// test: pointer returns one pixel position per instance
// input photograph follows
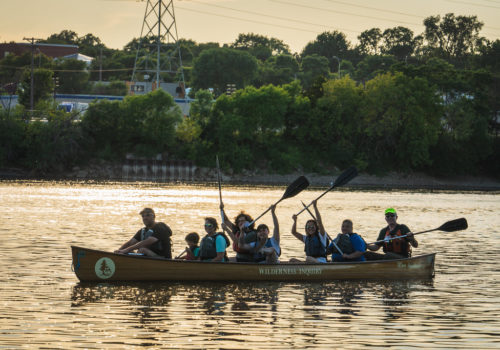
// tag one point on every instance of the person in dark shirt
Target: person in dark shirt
(394, 248)
(151, 240)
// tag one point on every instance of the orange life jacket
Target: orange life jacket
(399, 245)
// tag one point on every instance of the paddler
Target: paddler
(394, 248)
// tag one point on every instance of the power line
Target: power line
(375, 9)
(247, 20)
(343, 12)
(270, 16)
(473, 4)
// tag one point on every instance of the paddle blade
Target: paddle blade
(454, 225)
(296, 187)
(345, 177)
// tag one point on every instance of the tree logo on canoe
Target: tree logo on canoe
(104, 268)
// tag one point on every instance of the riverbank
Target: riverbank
(102, 171)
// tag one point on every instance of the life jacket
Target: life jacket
(314, 247)
(399, 245)
(157, 247)
(249, 238)
(343, 241)
(208, 249)
(190, 256)
(261, 256)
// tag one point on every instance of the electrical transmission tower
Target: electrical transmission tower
(158, 51)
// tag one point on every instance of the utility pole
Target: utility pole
(32, 41)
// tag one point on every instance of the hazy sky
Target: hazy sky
(296, 22)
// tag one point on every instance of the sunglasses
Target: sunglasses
(310, 226)
(390, 215)
(208, 225)
(146, 215)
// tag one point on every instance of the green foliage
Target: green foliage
(142, 124)
(277, 70)
(329, 44)
(73, 78)
(114, 88)
(313, 66)
(400, 122)
(452, 36)
(54, 145)
(215, 68)
(12, 131)
(43, 86)
(399, 42)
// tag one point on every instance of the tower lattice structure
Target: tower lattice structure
(158, 51)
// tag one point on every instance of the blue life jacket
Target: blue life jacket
(314, 247)
(258, 257)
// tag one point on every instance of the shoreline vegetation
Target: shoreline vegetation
(392, 181)
(421, 109)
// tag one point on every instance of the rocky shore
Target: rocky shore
(102, 171)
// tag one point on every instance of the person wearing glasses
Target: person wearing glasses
(240, 229)
(315, 239)
(394, 248)
(213, 245)
(151, 240)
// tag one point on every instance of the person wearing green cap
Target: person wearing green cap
(394, 248)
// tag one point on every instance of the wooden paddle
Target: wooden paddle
(220, 190)
(327, 235)
(292, 190)
(341, 180)
(181, 254)
(449, 226)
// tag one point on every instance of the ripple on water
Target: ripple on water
(43, 305)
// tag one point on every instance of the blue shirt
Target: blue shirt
(357, 244)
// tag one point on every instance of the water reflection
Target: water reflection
(42, 307)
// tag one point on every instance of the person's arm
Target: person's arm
(411, 239)
(294, 229)
(276, 231)
(318, 218)
(129, 243)
(376, 246)
(230, 233)
(220, 248)
(353, 255)
(228, 222)
(146, 243)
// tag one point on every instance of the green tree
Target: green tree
(260, 46)
(277, 70)
(313, 66)
(371, 66)
(215, 68)
(329, 44)
(369, 42)
(73, 76)
(400, 122)
(399, 42)
(43, 86)
(142, 124)
(453, 36)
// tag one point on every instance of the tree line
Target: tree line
(395, 101)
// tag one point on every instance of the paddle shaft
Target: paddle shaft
(181, 254)
(398, 237)
(327, 235)
(264, 213)
(321, 195)
(220, 189)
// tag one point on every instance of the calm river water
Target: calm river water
(43, 305)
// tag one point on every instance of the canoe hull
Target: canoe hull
(94, 265)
